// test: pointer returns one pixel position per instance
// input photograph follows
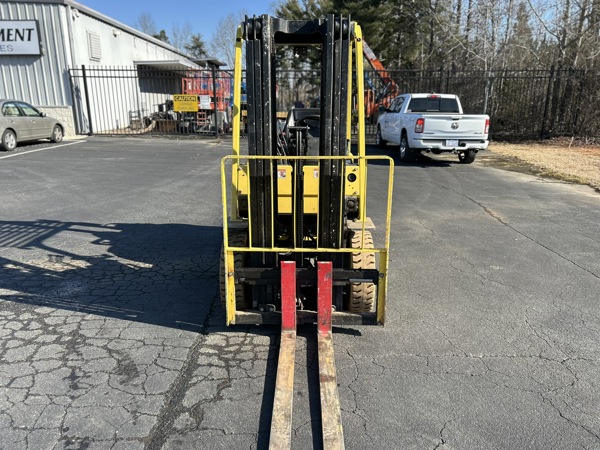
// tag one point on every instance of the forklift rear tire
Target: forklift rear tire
(237, 238)
(362, 295)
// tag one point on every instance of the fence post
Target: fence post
(547, 103)
(486, 92)
(76, 96)
(87, 101)
(215, 105)
(579, 101)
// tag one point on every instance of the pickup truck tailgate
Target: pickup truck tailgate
(449, 126)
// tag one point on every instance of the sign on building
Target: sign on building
(185, 103)
(19, 37)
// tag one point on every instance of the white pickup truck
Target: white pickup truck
(432, 123)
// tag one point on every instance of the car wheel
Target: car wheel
(379, 140)
(9, 140)
(466, 157)
(406, 153)
(57, 134)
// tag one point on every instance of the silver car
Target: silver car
(19, 121)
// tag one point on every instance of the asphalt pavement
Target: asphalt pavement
(112, 335)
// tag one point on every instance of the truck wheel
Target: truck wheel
(362, 295)
(466, 157)
(237, 238)
(379, 140)
(406, 153)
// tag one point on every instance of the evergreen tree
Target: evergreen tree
(396, 30)
(161, 36)
(196, 46)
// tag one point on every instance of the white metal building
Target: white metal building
(40, 40)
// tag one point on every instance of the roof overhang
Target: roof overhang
(169, 64)
(209, 60)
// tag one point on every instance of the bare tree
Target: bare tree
(519, 50)
(585, 41)
(180, 35)
(146, 24)
(572, 26)
(222, 44)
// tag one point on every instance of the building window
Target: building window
(94, 48)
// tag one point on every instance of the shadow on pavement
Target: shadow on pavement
(162, 274)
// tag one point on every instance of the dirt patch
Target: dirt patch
(560, 159)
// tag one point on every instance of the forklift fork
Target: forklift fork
(331, 417)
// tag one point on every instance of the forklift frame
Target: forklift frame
(298, 209)
(252, 174)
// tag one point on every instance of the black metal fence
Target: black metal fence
(139, 100)
(521, 103)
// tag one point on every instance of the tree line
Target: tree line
(220, 45)
(429, 34)
(469, 34)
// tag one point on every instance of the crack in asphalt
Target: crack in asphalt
(571, 421)
(539, 334)
(482, 279)
(446, 337)
(355, 410)
(173, 404)
(75, 374)
(442, 439)
(64, 368)
(503, 221)
(229, 357)
(426, 227)
(544, 394)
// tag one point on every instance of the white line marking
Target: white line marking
(39, 150)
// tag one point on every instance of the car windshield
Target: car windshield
(446, 105)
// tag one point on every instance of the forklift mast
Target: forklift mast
(333, 35)
(299, 194)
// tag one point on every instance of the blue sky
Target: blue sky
(202, 15)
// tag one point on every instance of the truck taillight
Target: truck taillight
(487, 126)
(419, 125)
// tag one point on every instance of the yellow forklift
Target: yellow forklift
(297, 243)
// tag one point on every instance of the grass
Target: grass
(560, 159)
